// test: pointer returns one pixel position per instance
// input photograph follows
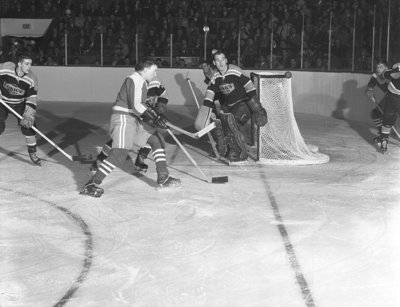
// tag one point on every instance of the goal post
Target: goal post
(280, 142)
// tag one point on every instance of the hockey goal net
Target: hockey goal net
(280, 142)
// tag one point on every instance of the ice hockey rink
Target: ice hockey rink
(289, 236)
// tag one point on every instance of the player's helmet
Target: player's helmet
(396, 65)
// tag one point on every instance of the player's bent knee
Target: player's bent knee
(118, 155)
(375, 114)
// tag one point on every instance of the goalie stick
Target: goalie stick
(220, 179)
(72, 158)
(380, 110)
(196, 135)
(210, 138)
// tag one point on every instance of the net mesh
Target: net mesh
(280, 140)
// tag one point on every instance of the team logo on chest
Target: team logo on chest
(12, 89)
(226, 88)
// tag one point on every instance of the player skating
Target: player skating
(157, 98)
(392, 104)
(377, 81)
(133, 123)
(18, 89)
(238, 103)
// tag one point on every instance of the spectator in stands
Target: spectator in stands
(320, 64)
(50, 61)
(284, 18)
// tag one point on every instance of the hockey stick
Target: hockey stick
(221, 179)
(210, 138)
(72, 158)
(196, 135)
(380, 110)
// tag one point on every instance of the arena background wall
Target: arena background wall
(339, 95)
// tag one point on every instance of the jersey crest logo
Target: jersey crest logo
(13, 89)
(227, 88)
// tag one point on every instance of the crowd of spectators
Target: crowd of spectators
(249, 31)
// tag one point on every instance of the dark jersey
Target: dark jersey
(379, 81)
(233, 86)
(394, 84)
(16, 90)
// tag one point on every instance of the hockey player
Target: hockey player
(18, 89)
(157, 98)
(392, 104)
(133, 123)
(238, 103)
(377, 80)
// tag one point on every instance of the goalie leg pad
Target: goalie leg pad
(234, 138)
(218, 134)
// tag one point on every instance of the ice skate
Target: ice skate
(92, 189)
(35, 159)
(378, 140)
(140, 165)
(168, 182)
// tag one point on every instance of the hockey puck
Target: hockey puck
(221, 179)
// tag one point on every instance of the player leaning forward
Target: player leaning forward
(133, 124)
(18, 89)
(392, 104)
(238, 103)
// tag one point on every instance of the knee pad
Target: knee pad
(375, 114)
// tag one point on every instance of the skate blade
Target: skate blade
(169, 188)
(140, 169)
(239, 163)
(95, 195)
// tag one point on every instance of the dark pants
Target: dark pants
(19, 108)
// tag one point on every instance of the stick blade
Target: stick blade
(82, 158)
(220, 179)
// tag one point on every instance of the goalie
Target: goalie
(237, 96)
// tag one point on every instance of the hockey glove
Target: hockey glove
(161, 107)
(260, 113)
(153, 118)
(28, 118)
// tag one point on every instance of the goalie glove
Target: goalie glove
(260, 113)
(28, 118)
(153, 118)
